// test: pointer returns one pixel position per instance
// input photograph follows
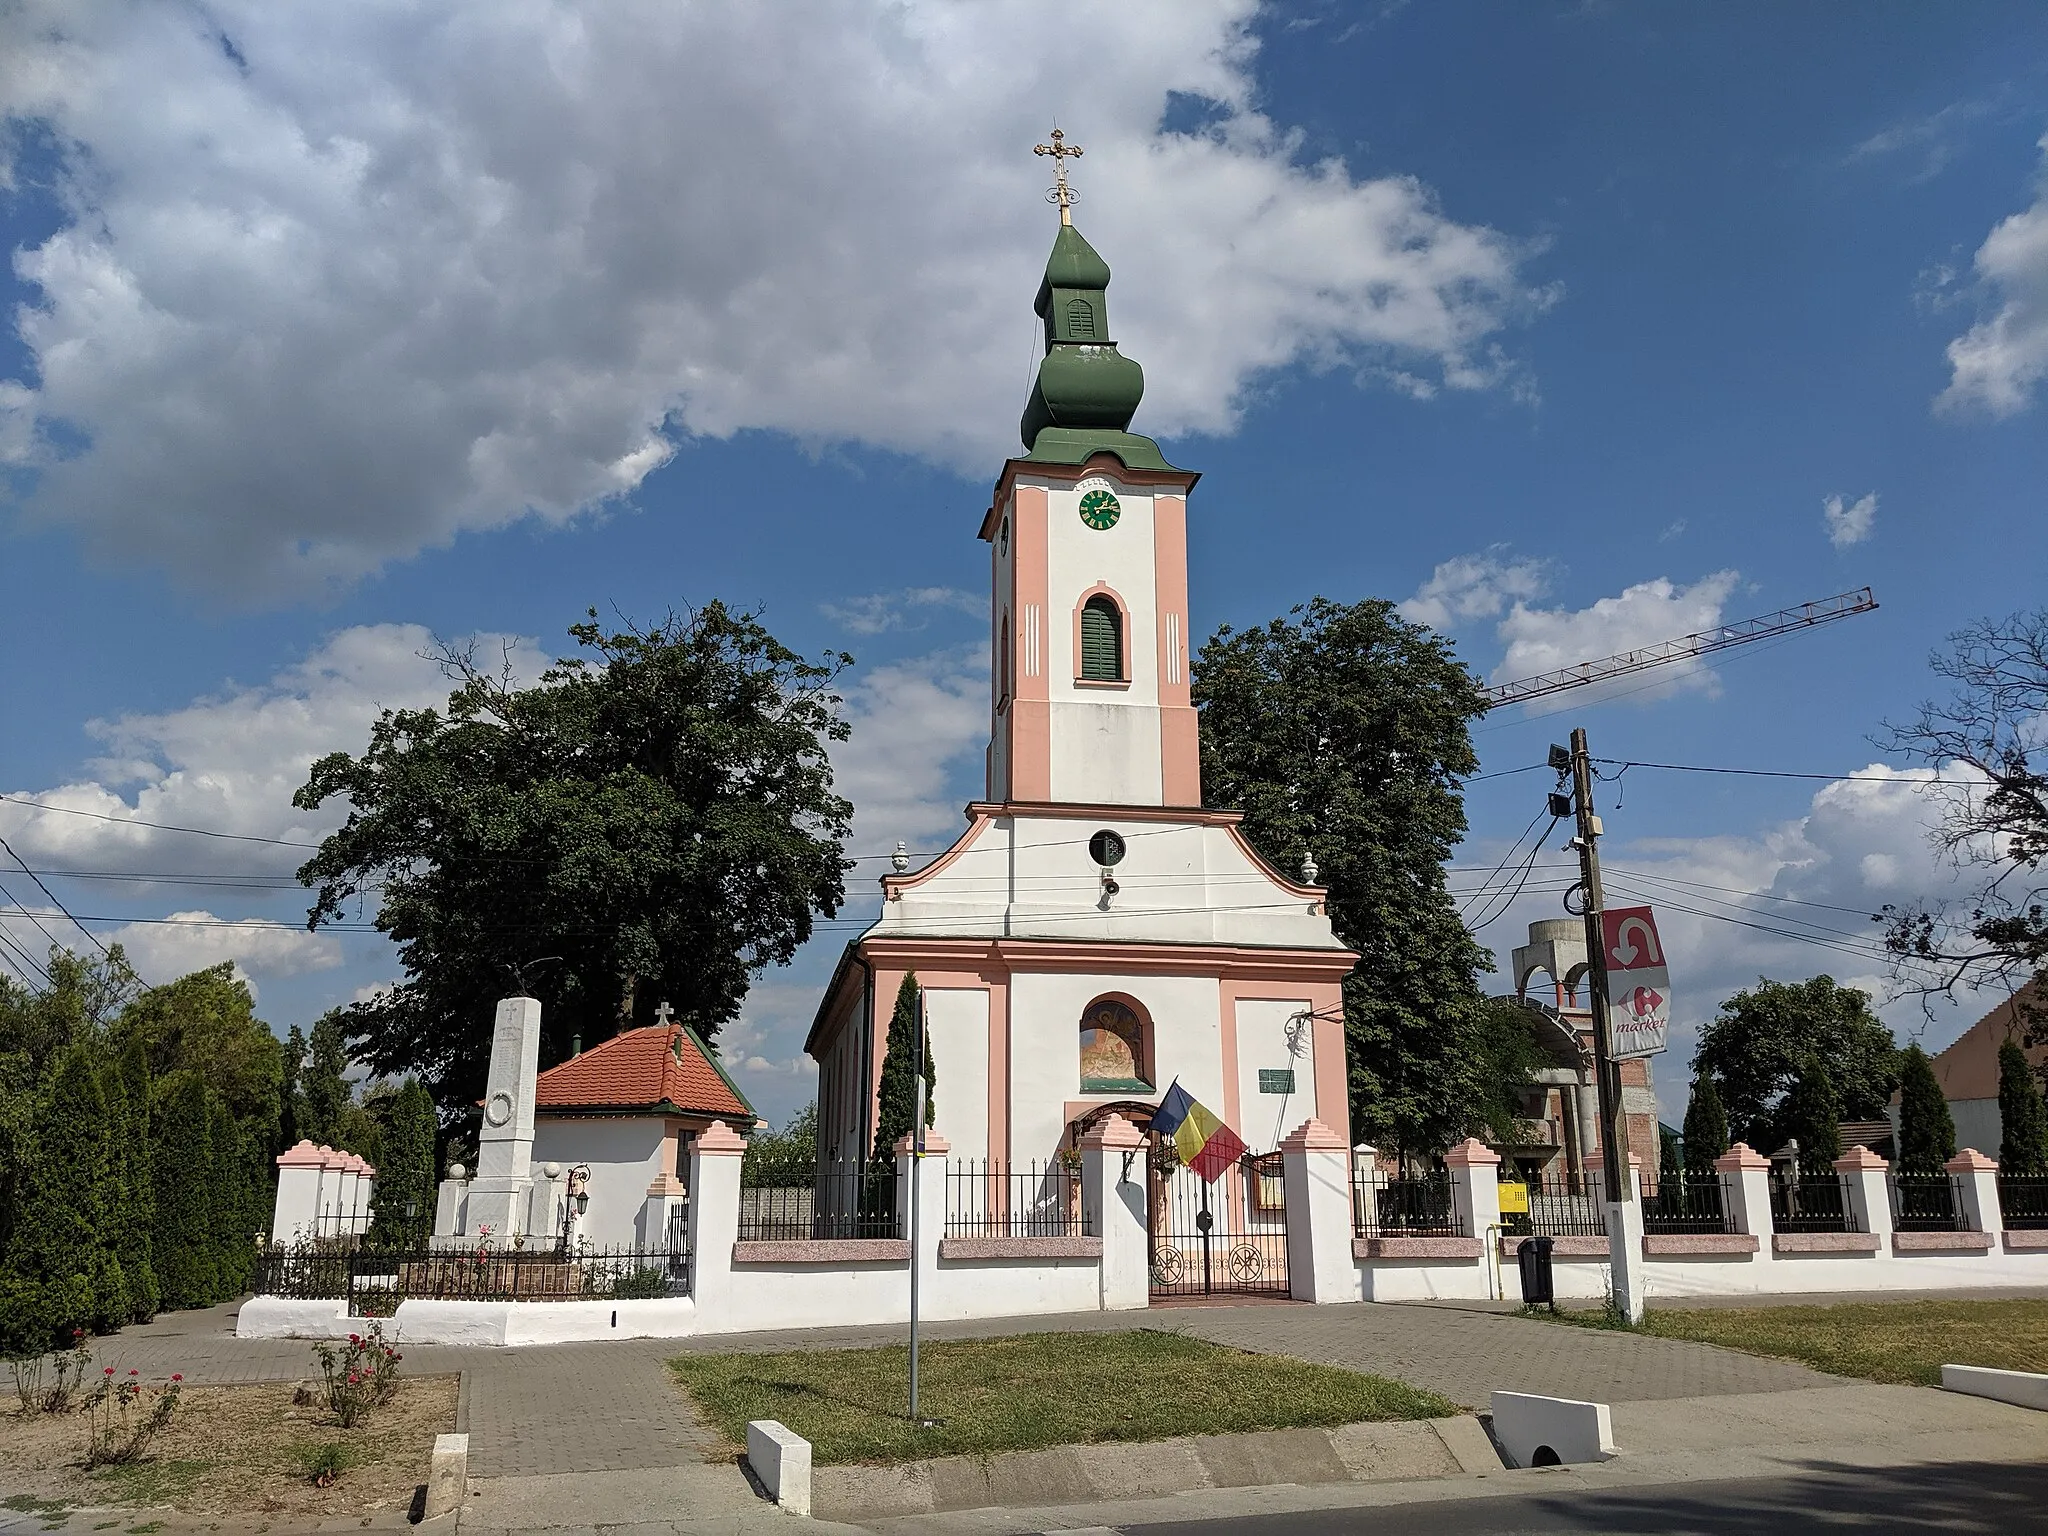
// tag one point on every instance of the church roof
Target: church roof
(662, 1068)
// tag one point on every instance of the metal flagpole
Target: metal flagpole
(916, 1179)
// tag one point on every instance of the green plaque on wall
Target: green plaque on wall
(1276, 1080)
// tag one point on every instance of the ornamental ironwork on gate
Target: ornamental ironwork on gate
(1220, 1239)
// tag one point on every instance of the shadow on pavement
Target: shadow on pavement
(1965, 1497)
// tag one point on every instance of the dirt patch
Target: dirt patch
(237, 1450)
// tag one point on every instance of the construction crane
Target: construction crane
(1806, 616)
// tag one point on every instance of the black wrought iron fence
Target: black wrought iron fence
(1927, 1202)
(1811, 1202)
(1415, 1206)
(1690, 1202)
(2023, 1199)
(1561, 1204)
(987, 1198)
(837, 1200)
(375, 1281)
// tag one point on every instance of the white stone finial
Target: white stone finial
(1308, 868)
(664, 1014)
(901, 857)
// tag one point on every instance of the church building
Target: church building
(1095, 932)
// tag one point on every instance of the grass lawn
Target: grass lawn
(1903, 1341)
(1036, 1390)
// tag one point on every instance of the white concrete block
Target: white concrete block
(1549, 1431)
(781, 1458)
(447, 1476)
(2026, 1389)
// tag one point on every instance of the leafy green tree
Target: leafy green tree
(1344, 730)
(290, 1087)
(1670, 1155)
(405, 1171)
(324, 1093)
(1927, 1131)
(1509, 1056)
(1706, 1126)
(206, 1023)
(2023, 1117)
(653, 821)
(1812, 1115)
(187, 1185)
(787, 1156)
(898, 1107)
(1754, 1050)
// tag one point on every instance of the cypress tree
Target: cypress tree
(1706, 1126)
(1812, 1116)
(899, 1080)
(406, 1175)
(229, 1248)
(1927, 1131)
(323, 1092)
(69, 1277)
(2022, 1115)
(138, 1182)
(186, 1183)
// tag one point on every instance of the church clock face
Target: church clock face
(1099, 507)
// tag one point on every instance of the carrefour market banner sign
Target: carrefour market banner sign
(1638, 981)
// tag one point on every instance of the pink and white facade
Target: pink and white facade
(321, 1192)
(1229, 967)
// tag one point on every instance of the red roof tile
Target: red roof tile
(662, 1064)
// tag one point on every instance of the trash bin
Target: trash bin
(1532, 1258)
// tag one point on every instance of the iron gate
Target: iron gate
(1225, 1238)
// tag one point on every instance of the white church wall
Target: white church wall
(1045, 1046)
(624, 1155)
(1031, 877)
(958, 1020)
(1266, 1039)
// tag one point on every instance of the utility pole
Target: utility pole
(1624, 1213)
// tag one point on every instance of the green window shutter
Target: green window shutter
(1102, 641)
(1080, 319)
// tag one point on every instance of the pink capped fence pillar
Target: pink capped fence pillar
(714, 1214)
(1113, 1183)
(1475, 1187)
(1977, 1179)
(1746, 1173)
(1316, 1163)
(1869, 1193)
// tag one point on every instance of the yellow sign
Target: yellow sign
(1514, 1198)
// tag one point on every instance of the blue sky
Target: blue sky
(1565, 325)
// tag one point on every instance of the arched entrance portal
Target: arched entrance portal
(1223, 1238)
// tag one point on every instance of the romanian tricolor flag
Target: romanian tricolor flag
(1205, 1144)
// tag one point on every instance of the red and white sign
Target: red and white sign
(1638, 982)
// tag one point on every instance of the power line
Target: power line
(53, 897)
(158, 826)
(1779, 773)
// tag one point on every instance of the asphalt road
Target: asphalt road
(1970, 1497)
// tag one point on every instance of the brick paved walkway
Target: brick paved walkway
(611, 1406)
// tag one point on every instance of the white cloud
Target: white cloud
(916, 725)
(190, 941)
(880, 612)
(1546, 639)
(1734, 907)
(1999, 360)
(1849, 522)
(229, 763)
(336, 283)
(1476, 587)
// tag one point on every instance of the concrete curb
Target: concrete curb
(2023, 1389)
(1084, 1474)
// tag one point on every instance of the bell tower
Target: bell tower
(1090, 699)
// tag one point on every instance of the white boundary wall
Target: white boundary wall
(740, 1287)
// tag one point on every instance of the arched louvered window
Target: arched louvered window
(1102, 640)
(1080, 318)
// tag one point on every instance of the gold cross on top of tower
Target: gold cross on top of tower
(1061, 152)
